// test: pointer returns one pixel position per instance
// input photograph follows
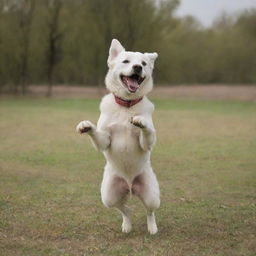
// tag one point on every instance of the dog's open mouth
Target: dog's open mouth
(132, 82)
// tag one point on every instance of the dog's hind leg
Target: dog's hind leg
(114, 193)
(146, 187)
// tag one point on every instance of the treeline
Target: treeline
(66, 42)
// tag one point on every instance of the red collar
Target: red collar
(127, 103)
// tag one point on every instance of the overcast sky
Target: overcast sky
(207, 10)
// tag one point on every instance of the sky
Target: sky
(207, 10)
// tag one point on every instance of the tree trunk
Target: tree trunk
(54, 42)
(25, 24)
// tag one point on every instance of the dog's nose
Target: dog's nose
(137, 68)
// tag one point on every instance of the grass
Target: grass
(205, 160)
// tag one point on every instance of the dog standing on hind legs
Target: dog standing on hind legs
(125, 134)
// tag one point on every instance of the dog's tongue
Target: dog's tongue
(132, 84)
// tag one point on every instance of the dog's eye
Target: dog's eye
(143, 63)
(126, 61)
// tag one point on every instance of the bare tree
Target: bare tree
(54, 41)
(26, 16)
(22, 14)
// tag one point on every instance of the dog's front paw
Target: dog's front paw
(84, 126)
(139, 121)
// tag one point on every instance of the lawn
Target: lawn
(205, 160)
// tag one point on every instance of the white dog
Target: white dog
(125, 134)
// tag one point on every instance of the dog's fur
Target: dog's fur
(127, 135)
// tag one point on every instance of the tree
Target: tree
(54, 40)
(25, 11)
(21, 13)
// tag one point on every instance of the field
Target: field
(205, 160)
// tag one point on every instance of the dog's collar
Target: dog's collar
(127, 103)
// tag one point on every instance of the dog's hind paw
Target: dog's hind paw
(126, 226)
(152, 229)
(84, 126)
(151, 221)
(139, 121)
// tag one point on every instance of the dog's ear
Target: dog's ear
(114, 50)
(152, 57)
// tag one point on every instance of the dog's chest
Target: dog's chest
(124, 135)
(125, 152)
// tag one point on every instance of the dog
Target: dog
(125, 134)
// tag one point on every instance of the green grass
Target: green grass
(205, 160)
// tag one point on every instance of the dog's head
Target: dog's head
(130, 73)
